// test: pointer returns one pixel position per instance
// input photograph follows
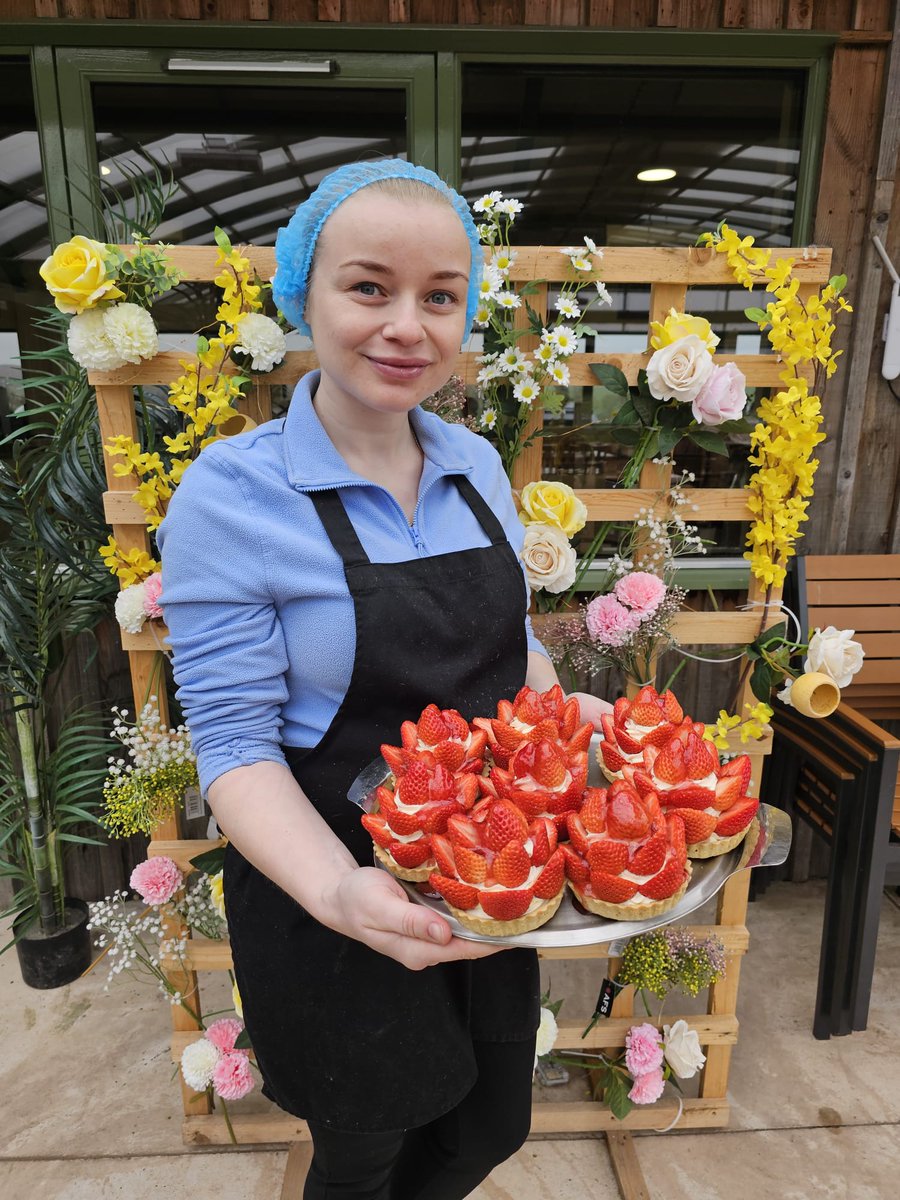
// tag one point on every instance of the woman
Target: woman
(326, 577)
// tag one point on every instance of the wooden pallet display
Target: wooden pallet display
(669, 272)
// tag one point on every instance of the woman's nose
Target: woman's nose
(404, 322)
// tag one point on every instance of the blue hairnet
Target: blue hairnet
(295, 243)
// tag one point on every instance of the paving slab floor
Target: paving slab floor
(91, 1110)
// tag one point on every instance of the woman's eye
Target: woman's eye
(442, 299)
(366, 289)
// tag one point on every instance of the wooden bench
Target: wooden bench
(861, 592)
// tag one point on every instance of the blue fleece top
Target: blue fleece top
(260, 619)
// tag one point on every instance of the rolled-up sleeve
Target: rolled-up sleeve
(229, 654)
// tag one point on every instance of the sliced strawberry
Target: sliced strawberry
(543, 840)
(671, 708)
(378, 828)
(609, 728)
(451, 755)
(606, 854)
(741, 767)
(457, 725)
(460, 895)
(613, 758)
(399, 820)
(512, 865)
(697, 825)
(728, 792)
(470, 865)
(666, 883)
(414, 785)
(658, 736)
(576, 868)
(505, 711)
(442, 850)
(627, 744)
(546, 730)
(677, 837)
(611, 888)
(581, 739)
(506, 737)
(669, 763)
(504, 823)
(698, 761)
(552, 877)
(462, 832)
(626, 816)
(640, 780)
(688, 795)
(433, 817)
(593, 810)
(649, 858)
(393, 756)
(431, 726)
(477, 744)
(410, 854)
(549, 765)
(738, 817)
(409, 735)
(467, 790)
(577, 833)
(528, 706)
(504, 905)
(646, 713)
(571, 717)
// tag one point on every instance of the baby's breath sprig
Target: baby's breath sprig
(148, 785)
(673, 958)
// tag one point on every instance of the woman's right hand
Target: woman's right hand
(370, 906)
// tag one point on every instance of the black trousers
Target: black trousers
(445, 1160)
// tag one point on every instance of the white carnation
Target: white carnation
(90, 344)
(262, 339)
(198, 1061)
(131, 331)
(547, 1033)
(130, 611)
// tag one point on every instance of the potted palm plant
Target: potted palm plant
(52, 587)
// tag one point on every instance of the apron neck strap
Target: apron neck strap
(486, 518)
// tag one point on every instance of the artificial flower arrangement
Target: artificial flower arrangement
(150, 942)
(510, 380)
(148, 784)
(832, 659)
(656, 963)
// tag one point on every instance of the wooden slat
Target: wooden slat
(881, 618)
(878, 670)
(717, 628)
(620, 264)
(852, 566)
(882, 645)
(853, 591)
(626, 1165)
(735, 939)
(181, 851)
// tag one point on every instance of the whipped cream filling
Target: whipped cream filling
(466, 745)
(515, 723)
(708, 782)
(407, 837)
(637, 731)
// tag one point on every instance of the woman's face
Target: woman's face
(387, 300)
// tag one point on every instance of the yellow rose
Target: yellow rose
(217, 893)
(552, 504)
(75, 275)
(678, 325)
(236, 1000)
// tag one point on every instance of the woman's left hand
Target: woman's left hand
(592, 707)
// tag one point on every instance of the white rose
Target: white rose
(130, 611)
(678, 371)
(131, 331)
(198, 1061)
(89, 342)
(833, 652)
(262, 339)
(549, 558)
(682, 1049)
(546, 1035)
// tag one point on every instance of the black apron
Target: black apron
(342, 1034)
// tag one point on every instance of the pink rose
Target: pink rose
(152, 591)
(157, 880)
(223, 1034)
(231, 1077)
(642, 592)
(610, 622)
(647, 1088)
(722, 397)
(643, 1050)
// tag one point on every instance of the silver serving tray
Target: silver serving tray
(767, 844)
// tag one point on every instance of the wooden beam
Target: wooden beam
(624, 1159)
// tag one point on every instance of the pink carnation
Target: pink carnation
(642, 592)
(157, 880)
(223, 1034)
(647, 1087)
(231, 1077)
(610, 622)
(643, 1051)
(152, 592)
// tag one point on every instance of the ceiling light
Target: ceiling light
(655, 174)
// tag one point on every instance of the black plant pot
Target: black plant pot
(50, 962)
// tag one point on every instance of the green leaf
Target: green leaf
(535, 320)
(612, 378)
(202, 345)
(616, 1095)
(757, 315)
(222, 240)
(707, 440)
(553, 402)
(529, 288)
(763, 679)
(242, 1041)
(838, 282)
(645, 406)
(668, 439)
(210, 862)
(627, 414)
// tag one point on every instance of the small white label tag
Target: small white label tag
(193, 805)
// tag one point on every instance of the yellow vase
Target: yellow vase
(815, 694)
(239, 423)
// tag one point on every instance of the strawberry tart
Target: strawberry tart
(412, 810)
(544, 779)
(626, 859)
(650, 719)
(535, 717)
(441, 736)
(498, 874)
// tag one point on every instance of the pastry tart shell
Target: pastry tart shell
(488, 926)
(629, 911)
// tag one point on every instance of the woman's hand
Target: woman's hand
(370, 906)
(592, 707)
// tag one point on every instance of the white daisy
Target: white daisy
(513, 360)
(580, 263)
(570, 250)
(491, 283)
(563, 338)
(592, 246)
(559, 373)
(486, 203)
(489, 418)
(603, 294)
(545, 353)
(508, 300)
(482, 316)
(488, 372)
(567, 306)
(527, 391)
(503, 260)
(511, 208)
